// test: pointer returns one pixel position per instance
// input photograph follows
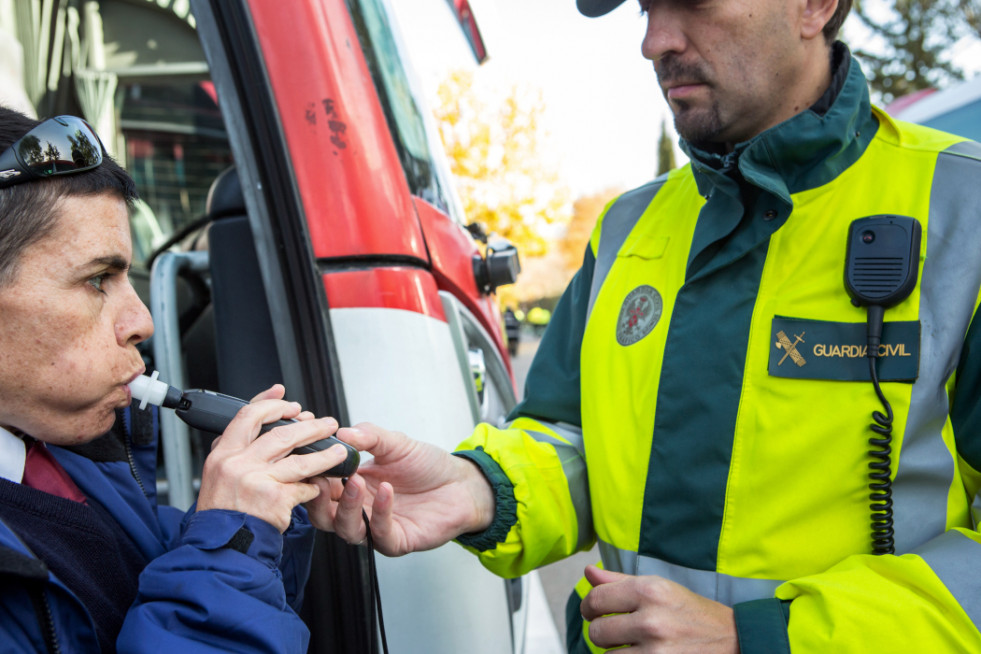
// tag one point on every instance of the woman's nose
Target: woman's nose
(134, 323)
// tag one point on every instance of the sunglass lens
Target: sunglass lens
(60, 145)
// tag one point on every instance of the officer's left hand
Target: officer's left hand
(652, 614)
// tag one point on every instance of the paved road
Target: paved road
(558, 579)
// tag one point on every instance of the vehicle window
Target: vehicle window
(138, 74)
(175, 146)
(381, 47)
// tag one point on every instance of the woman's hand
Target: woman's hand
(259, 475)
(417, 495)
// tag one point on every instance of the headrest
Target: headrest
(225, 196)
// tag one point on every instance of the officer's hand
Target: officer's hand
(260, 476)
(417, 495)
(652, 614)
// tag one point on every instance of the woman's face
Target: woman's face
(69, 325)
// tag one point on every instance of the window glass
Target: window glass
(414, 141)
(176, 145)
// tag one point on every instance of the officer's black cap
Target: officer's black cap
(594, 8)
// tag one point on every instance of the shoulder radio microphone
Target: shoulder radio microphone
(211, 412)
(881, 266)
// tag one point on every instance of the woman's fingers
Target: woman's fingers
(298, 467)
(257, 473)
(247, 423)
(274, 392)
(279, 442)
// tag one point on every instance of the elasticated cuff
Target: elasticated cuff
(505, 506)
(762, 626)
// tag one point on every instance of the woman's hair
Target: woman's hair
(28, 211)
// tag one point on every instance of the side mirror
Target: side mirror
(478, 232)
(461, 8)
(499, 267)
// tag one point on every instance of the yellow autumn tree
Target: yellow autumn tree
(585, 211)
(494, 142)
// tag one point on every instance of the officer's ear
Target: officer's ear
(815, 14)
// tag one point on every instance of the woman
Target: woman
(88, 561)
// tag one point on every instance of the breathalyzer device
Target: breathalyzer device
(211, 412)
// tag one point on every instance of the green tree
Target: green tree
(911, 41)
(495, 148)
(30, 150)
(83, 149)
(665, 151)
(971, 11)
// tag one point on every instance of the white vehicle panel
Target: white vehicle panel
(400, 371)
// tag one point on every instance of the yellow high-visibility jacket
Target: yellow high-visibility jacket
(701, 402)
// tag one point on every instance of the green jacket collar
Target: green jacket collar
(803, 152)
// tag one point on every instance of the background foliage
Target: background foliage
(494, 145)
(907, 45)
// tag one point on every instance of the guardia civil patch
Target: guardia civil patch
(640, 312)
(820, 349)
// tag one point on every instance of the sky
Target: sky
(603, 108)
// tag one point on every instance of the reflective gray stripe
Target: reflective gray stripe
(966, 148)
(569, 432)
(954, 557)
(618, 222)
(926, 468)
(719, 587)
(574, 469)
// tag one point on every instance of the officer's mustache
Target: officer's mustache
(671, 71)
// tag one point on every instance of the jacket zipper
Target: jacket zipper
(46, 621)
(132, 464)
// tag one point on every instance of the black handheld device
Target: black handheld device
(211, 412)
(882, 259)
(881, 266)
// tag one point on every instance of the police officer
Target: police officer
(700, 404)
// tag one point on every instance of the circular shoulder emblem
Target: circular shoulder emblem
(638, 315)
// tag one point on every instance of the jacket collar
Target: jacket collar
(12, 456)
(806, 151)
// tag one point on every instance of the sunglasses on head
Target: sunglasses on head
(57, 146)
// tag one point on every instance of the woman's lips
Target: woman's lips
(129, 393)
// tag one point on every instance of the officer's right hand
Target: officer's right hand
(417, 495)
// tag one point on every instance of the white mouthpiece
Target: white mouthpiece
(148, 390)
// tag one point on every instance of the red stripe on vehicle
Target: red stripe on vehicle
(405, 288)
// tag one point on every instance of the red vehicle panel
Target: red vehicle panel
(399, 287)
(353, 189)
(452, 253)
